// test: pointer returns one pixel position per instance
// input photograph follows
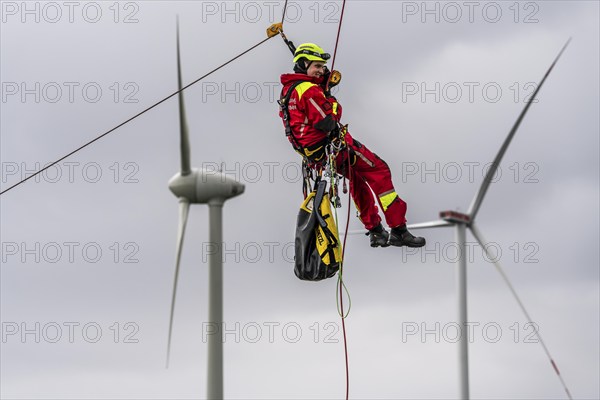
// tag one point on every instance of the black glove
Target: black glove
(333, 81)
(326, 76)
(334, 134)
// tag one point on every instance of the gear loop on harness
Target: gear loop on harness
(332, 150)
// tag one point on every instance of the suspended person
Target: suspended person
(314, 117)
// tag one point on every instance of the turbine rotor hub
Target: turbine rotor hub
(204, 185)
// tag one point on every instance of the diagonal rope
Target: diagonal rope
(134, 117)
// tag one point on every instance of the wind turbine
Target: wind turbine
(461, 222)
(202, 186)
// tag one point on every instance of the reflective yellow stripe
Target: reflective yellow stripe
(303, 87)
(310, 153)
(386, 199)
(335, 104)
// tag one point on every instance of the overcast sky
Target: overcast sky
(88, 249)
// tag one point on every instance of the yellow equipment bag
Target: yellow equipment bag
(317, 246)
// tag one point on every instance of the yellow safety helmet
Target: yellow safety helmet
(311, 52)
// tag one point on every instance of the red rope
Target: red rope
(341, 283)
(337, 40)
(284, 9)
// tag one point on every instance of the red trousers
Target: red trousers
(368, 175)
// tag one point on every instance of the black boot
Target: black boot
(400, 236)
(378, 236)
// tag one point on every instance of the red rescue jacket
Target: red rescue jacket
(308, 106)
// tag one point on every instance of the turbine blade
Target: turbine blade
(479, 237)
(476, 203)
(422, 225)
(432, 224)
(184, 133)
(184, 206)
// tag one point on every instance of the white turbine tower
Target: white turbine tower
(462, 222)
(202, 186)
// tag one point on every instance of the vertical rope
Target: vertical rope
(341, 281)
(337, 40)
(284, 8)
(341, 285)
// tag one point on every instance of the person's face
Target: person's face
(316, 69)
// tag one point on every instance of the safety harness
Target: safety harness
(320, 158)
(313, 154)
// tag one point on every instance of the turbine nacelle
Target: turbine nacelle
(202, 186)
(455, 217)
